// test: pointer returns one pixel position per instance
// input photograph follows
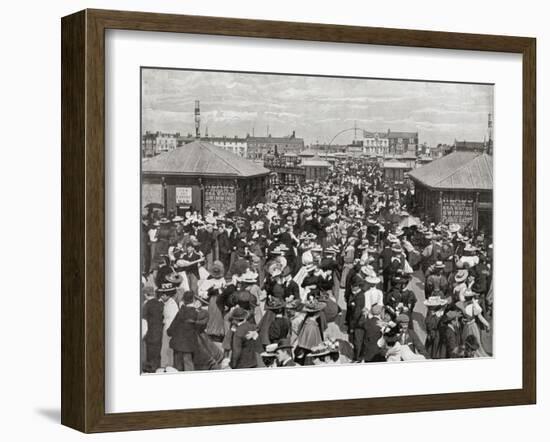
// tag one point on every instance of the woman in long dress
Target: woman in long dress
(210, 290)
(310, 334)
(472, 313)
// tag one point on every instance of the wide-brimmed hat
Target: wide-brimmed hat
(270, 351)
(319, 351)
(468, 293)
(435, 301)
(368, 270)
(238, 314)
(164, 221)
(461, 276)
(248, 277)
(313, 306)
(372, 279)
(439, 265)
(177, 219)
(166, 289)
(217, 270)
(284, 343)
(399, 279)
(454, 228)
(470, 248)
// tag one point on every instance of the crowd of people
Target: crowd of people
(317, 274)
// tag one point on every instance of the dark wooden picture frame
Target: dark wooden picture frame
(83, 219)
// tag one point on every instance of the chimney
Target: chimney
(197, 119)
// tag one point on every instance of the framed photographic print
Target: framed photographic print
(267, 221)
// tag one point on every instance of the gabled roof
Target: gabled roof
(457, 171)
(201, 158)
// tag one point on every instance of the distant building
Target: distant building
(375, 143)
(355, 148)
(153, 143)
(440, 151)
(394, 170)
(457, 188)
(239, 146)
(316, 168)
(402, 142)
(201, 176)
(470, 146)
(258, 147)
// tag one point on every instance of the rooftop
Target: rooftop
(202, 158)
(315, 162)
(459, 170)
(402, 134)
(394, 164)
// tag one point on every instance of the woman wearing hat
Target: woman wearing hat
(436, 280)
(310, 333)
(436, 310)
(450, 335)
(472, 313)
(348, 257)
(210, 290)
(462, 284)
(166, 293)
(244, 349)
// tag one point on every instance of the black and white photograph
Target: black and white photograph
(298, 220)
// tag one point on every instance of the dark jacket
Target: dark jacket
(183, 331)
(226, 242)
(279, 329)
(244, 350)
(357, 304)
(372, 334)
(451, 340)
(206, 240)
(153, 313)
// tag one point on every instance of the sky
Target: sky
(317, 108)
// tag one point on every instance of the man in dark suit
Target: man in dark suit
(356, 307)
(408, 336)
(226, 243)
(152, 313)
(284, 353)
(244, 350)
(373, 333)
(451, 335)
(184, 335)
